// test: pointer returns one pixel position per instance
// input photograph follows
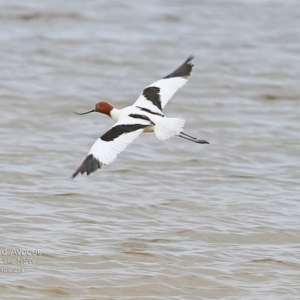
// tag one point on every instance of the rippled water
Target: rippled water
(168, 219)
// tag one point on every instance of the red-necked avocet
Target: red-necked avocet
(145, 115)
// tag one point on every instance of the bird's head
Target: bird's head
(100, 107)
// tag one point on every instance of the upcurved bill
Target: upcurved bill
(84, 112)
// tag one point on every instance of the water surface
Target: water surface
(168, 219)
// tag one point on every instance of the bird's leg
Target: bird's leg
(191, 138)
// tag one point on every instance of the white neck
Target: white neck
(115, 114)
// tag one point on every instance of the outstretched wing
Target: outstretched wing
(155, 96)
(110, 144)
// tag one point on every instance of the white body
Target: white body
(164, 127)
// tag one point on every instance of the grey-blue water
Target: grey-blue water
(167, 219)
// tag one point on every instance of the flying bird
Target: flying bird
(144, 115)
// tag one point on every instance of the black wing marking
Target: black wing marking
(118, 130)
(152, 94)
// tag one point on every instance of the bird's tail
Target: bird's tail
(168, 127)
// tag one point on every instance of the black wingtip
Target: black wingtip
(183, 70)
(190, 58)
(89, 165)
